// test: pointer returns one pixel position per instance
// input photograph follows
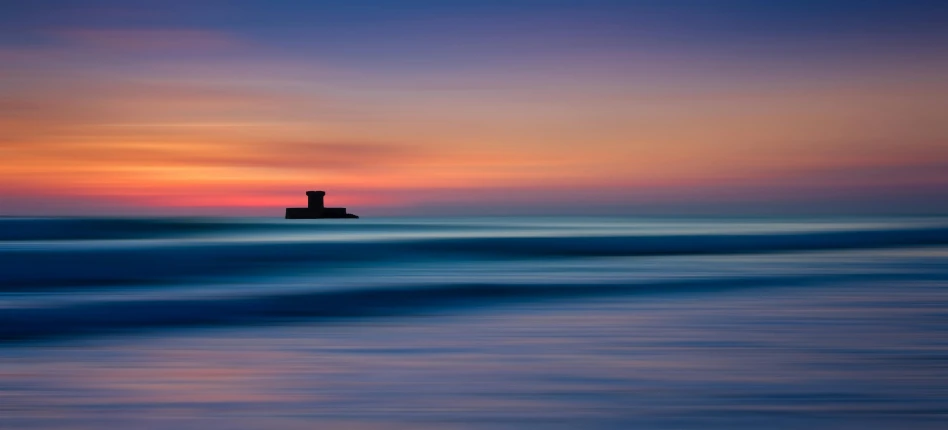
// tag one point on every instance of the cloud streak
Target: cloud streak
(150, 40)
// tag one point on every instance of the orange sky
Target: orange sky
(212, 121)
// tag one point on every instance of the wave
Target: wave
(141, 262)
(115, 317)
(35, 229)
(642, 245)
(68, 229)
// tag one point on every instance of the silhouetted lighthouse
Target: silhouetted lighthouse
(316, 199)
(317, 209)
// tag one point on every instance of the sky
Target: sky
(458, 107)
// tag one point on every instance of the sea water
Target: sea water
(474, 323)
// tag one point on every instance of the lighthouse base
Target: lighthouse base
(320, 213)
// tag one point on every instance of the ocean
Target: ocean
(474, 323)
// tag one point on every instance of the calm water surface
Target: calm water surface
(508, 323)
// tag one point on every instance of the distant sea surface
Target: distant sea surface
(474, 323)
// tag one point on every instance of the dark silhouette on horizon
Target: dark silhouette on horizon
(317, 209)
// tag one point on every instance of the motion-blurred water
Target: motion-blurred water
(508, 323)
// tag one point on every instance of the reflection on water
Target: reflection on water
(687, 342)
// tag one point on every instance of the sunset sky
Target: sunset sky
(485, 107)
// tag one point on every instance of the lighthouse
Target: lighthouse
(317, 209)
